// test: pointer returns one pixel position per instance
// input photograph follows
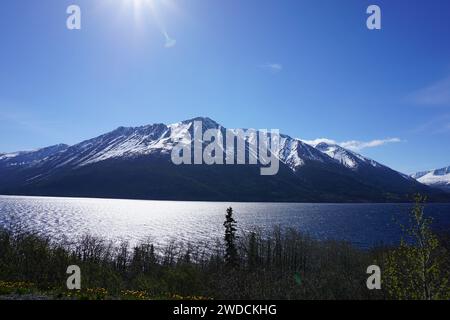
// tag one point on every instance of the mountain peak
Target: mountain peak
(439, 178)
(442, 171)
(348, 158)
(206, 121)
(345, 157)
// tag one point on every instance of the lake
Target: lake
(161, 221)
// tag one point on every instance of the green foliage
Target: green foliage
(418, 268)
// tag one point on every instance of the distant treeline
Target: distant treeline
(284, 264)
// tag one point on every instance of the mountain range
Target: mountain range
(439, 178)
(135, 163)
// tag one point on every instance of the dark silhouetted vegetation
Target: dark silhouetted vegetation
(231, 254)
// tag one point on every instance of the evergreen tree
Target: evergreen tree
(252, 252)
(230, 239)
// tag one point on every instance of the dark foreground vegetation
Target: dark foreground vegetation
(284, 264)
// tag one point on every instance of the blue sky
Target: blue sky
(310, 68)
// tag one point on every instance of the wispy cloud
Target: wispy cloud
(437, 125)
(355, 145)
(169, 41)
(315, 142)
(435, 94)
(22, 120)
(272, 67)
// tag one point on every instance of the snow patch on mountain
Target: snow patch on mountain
(5, 156)
(27, 158)
(439, 178)
(420, 174)
(289, 153)
(347, 158)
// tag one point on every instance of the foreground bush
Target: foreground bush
(418, 269)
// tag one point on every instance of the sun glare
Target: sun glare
(140, 5)
(152, 10)
(148, 6)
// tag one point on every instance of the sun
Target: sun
(142, 2)
(148, 6)
(152, 10)
(139, 4)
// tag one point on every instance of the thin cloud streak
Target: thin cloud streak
(360, 145)
(355, 145)
(272, 67)
(436, 94)
(437, 125)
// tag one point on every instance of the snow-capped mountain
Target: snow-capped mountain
(368, 169)
(135, 162)
(347, 158)
(129, 142)
(439, 178)
(294, 153)
(26, 158)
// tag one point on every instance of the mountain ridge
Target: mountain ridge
(438, 178)
(126, 161)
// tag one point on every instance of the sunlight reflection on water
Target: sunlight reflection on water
(162, 221)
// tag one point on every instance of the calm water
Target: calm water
(134, 220)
